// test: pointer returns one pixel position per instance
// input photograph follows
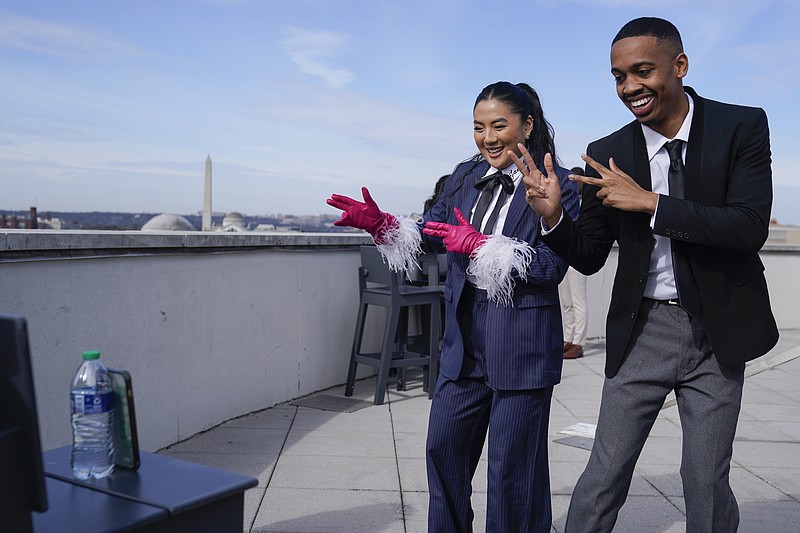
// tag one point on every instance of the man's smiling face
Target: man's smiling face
(648, 78)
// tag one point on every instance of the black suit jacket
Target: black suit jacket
(724, 221)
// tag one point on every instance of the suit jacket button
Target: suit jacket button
(680, 234)
(633, 316)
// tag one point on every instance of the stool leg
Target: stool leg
(433, 361)
(426, 317)
(359, 334)
(401, 337)
(387, 350)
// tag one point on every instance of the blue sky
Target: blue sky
(113, 106)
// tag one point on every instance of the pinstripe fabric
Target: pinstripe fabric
(524, 343)
(497, 369)
(461, 413)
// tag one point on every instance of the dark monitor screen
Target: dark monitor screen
(22, 476)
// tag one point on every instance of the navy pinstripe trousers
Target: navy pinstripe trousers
(462, 412)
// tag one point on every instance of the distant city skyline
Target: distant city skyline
(114, 106)
(100, 220)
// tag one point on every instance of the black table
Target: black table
(75, 508)
(165, 494)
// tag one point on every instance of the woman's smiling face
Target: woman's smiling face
(497, 130)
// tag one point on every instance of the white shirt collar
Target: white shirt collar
(655, 141)
(510, 170)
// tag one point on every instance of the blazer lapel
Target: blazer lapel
(693, 182)
(516, 211)
(641, 164)
(641, 172)
(470, 195)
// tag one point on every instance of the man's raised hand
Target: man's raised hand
(617, 189)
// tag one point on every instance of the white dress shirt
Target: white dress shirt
(516, 176)
(661, 281)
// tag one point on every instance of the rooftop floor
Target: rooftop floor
(320, 470)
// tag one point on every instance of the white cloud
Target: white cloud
(20, 132)
(770, 66)
(44, 37)
(366, 119)
(785, 171)
(309, 49)
(604, 3)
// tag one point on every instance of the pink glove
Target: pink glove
(462, 239)
(362, 215)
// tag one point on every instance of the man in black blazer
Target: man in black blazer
(689, 305)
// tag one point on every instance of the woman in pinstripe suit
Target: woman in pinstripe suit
(502, 347)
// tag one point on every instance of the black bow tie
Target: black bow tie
(492, 180)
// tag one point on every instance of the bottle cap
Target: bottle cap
(91, 354)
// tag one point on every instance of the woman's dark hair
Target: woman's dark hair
(437, 191)
(523, 100)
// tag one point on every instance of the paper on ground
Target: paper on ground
(579, 430)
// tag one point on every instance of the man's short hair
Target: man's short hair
(664, 31)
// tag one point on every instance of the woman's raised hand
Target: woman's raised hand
(542, 191)
(364, 215)
(460, 239)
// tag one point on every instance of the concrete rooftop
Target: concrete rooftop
(364, 471)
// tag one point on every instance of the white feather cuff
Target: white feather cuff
(401, 245)
(494, 263)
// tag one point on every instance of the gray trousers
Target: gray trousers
(668, 351)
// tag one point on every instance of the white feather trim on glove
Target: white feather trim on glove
(401, 245)
(494, 263)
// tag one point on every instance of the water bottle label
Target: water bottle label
(92, 404)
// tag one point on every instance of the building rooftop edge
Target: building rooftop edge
(17, 241)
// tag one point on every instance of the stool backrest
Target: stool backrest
(375, 270)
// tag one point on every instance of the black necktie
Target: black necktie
(688, 293)
(489, 184)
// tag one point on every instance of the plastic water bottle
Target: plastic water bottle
(92, 400)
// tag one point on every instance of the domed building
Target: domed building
(233, 222)
(168, 222)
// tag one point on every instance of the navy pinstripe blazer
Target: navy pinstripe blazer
(524, 342)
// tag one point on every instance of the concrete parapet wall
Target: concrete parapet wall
(206, 336)
(213, 326)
